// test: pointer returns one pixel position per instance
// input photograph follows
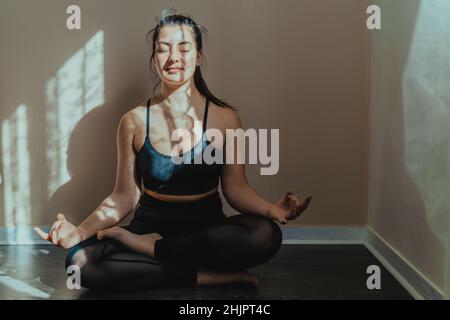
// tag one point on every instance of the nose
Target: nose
(174, 57)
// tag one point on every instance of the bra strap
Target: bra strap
(147, 125)
(205, 116)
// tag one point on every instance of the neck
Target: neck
(180, 98)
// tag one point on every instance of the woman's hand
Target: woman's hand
(288, 208)
(62, 233)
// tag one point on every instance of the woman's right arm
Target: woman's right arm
(126, 191)
(118, 204)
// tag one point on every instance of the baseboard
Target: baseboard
(411, 279)
(25, 235)
(323, 235)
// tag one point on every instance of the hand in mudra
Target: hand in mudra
(288, 208)
(62, 233)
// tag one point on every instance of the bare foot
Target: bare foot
(216, 278)
(140, 243)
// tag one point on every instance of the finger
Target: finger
(100, 235)
(58, 230)
(60, 216)
(299, 209)
(289, 193)
(304, 205)
(60, 226)
(292, 207)
(295, 200)
(54, 232)
(297, 206)
(54, 237)
(54, 225)
(289, 196)
(306, 202)
(42, 234)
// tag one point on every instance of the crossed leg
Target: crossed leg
(237, 243)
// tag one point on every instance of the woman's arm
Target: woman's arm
(116, 206)
(245, 199)
(126, 191)
(239, 194)
(234, 183)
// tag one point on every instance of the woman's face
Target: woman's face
(176, 55)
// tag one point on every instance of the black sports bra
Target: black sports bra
(160, 173)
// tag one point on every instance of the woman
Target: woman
(179, 235)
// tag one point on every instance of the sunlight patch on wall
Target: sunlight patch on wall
(16, 173)
(77, 88)
(426, 94)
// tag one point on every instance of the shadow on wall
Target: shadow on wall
(80, 146)
(84, 164)
(72, 118)
(426, 97)
(91, 157)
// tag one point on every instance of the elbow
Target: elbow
(233, 191)
(123, 203)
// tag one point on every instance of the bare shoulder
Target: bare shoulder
(132, 119)
(225, 118)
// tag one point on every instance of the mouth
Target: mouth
(174, 69)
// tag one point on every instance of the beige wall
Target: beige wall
(399, 210)
(301, 66)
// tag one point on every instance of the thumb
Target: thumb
(282, 220)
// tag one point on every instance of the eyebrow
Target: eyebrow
(181, 43)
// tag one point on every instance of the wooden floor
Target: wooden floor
(298, 271)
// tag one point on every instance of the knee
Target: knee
(76, 256)
(75, 261)
(266, 237)
(79, 260)
(81, 253)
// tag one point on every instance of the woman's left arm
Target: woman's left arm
(239, 194)
(244, 198)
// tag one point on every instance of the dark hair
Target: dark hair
(178, 19)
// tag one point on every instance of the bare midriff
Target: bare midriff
(179, 198)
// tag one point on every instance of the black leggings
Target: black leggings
(196, 235)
